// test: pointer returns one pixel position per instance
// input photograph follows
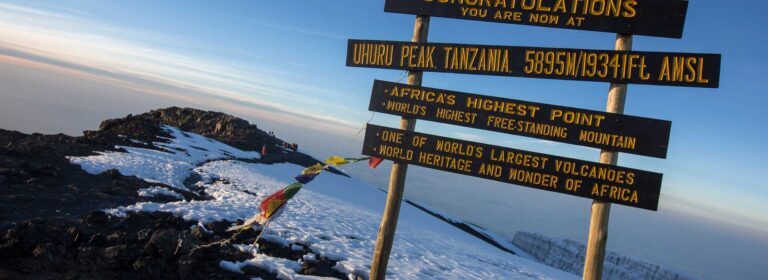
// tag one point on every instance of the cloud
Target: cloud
(298, 30)
(720, 212)
(75, 45)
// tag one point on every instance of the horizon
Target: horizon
(68, 65)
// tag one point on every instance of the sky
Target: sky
(67, 64)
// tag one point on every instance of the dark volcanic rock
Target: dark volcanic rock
(50, 254)
(163, 243)
(228, 129)
(253, 270)
(38, 180)
(234, 131)
(49, 249)
(97, 218)
(321, 267)
(218, 227)
(201, 233)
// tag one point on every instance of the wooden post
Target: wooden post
(397, 176)
(601, 211)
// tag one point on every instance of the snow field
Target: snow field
(155, 191)
(334, 216)
(183, 152)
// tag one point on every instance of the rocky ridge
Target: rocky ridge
(51, 226)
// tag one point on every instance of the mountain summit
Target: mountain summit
(150, 196)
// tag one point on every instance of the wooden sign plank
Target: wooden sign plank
(660, 18)
(613, 132)
(654, 68)
(626, 186)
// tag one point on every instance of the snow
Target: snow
(183, 152)
(334, 216)
(138, 142)
(309, 257)
(230, 266)
(282, 268)
(154, 191)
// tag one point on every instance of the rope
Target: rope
(263, 230)
(405, 74)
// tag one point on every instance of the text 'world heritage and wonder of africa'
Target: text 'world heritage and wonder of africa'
(626, 186)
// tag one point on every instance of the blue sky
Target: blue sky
(285, 60)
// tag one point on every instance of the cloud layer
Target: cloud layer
(69, 43)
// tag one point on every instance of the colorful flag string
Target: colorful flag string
(273, 205)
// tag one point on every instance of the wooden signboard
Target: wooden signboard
(655, 68)
(626, 186)
(615, 132)
(661, 18)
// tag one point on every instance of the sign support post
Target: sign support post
(601, 211)
(397, 176)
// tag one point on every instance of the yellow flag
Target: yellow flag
(314, 169)
(336, 161)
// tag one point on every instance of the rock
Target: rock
(74, 234)
(115, 237)
(46, 170)
(173, 221)
(144, 235)
(244, 236)
(22, 239)
(226, 128)
(9, 275)
(27, 265)
(113, 174)
(186, 268)
(49, 254)
(142, 264)
(97, 218)
(163, 243)
(14, 172)
(234, 254)
(120, 256)
(86, 255)
(96, 239)
(218, 227)
(321, 267)
(206, 252)
(200, 233)
(253, 270)
(9, 244)
(185, 243)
